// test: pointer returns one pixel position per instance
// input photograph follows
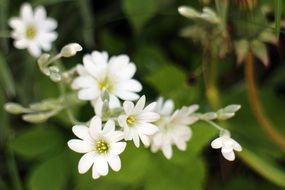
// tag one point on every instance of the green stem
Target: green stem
(88, 22)
(256, 104)
(214, 125)
(253, 161)
(13, 169)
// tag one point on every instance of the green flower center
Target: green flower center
(31, 32)
(102, 146)
(131, 120)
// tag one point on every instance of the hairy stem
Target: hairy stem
(256, 104)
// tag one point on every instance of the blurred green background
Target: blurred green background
(36, 156)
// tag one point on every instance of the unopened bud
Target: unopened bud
(14, 108)
(70, 50)
(188, 12)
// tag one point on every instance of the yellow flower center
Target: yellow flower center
(102, 146)
(31, 32)
(105, 85)
(131, 120)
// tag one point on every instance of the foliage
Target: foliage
(36, 156)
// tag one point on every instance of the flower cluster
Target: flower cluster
(108, 83)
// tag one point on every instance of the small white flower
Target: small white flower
(99, 73)
(70, 50)
(136, 121)
(101, 147)
(227, 144)
(173, 127)
(33, 30)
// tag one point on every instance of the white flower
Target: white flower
(100, 73)
(136, 121)
(173, 127)
(101, 147)
(227, 144)
(70, 50)
(33, 30)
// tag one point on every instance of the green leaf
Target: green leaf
(171, 82)
(6, 77)
(37, 142)
(139, 12)
(278, 15)
(265, 167)
(135, 163)
(167, 176)
(50, 175)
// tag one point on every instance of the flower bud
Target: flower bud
(188, 12)
(70, 50)
(14, 108)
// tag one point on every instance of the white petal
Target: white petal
(16, 23)
(148, 116)
(88, 94)
(80, 146)
(158, 139)
(114, 102)
(127, 95)
(181, 145)
(122, 120)
(95, 174)
(167, 150)
(86, 162)
(147, 128)
(135, 137)
(114, 162)
(131, 85)
(26, 12)
(167, 108)
(109, 126)
(229, 155)
(128, 107)
(34, 50)
(236, 146)
(140, 105)
(49, 37)
(118, 148)
(217, 143)
(82, 132)
(21, 44)
(154, 148)
(115, 136)
(97, 68)
(95, 126)
(99, 57)
(81, 70)
(101, 165)
(83, 82)
(98, 106)
(50, 24)
(40, 13)
(150, 107)
(45, 46)
(145, 139)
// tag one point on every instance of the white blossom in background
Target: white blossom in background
(33, 30)
(101, 147)
(114, 75)
(173, 127)
(137, 121)
(227, 145)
